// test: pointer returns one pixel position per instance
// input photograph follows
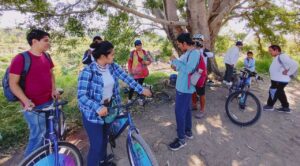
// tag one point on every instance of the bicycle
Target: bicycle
(54, 152)
(243, 107)
(158, 96)
(139, 152)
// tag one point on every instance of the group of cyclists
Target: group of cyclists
(98, 85)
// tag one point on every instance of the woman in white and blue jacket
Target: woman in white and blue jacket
(98, 84)
(185, 65)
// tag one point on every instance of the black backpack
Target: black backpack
(5, 80)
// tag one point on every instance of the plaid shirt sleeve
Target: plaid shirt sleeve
(90, 106)
(127, 79)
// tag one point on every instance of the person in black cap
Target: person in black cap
(230, 60)
(137, 65)
(87, 56)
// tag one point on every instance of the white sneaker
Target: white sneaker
(229, 83)
(225, 82)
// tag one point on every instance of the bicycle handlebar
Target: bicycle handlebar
(50, 107)
(252, 74)
(126, 106)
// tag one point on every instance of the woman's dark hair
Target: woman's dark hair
(36, 34)
(103, 48)
(275, 47)
(97, 38)
(250, 52)
(185, 37)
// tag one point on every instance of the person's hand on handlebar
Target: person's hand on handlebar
(147, 92)
(103, 112)
(28, 105)
(55, 94)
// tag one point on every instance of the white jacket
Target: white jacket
(232, 55)
(276, 68)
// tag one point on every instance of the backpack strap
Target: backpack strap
(27, 63)
(197, 62)
(48, 56)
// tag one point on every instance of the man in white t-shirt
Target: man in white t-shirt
(230, 60)
(281, 69)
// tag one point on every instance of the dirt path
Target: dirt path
(273, 141)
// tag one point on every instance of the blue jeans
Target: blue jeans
(37, 128)
(98, 138)
(248, 81)
(183, 114)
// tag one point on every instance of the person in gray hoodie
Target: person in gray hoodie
(281, 70)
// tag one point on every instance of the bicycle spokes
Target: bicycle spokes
(243, 108)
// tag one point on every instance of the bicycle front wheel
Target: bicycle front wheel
(243, 108)
(139, 152)
(68, 155)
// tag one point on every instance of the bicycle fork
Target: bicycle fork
(242, 100)
(53, 139)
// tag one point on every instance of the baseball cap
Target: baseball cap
(137, 42)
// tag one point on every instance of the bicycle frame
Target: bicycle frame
(52, 137)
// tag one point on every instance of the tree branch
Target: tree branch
(233, 16)
(53, 13)
(132, 11)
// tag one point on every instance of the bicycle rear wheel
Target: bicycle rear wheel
(243, 108)
(69, 155)
(139, 152)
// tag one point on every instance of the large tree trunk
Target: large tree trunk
(203, 17)
(199, 23)
(171, 15)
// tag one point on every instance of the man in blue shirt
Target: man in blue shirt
(184, 90)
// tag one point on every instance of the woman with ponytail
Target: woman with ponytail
(98, 85)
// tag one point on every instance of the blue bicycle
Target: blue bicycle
(55, 152)
(243, 107)
(139, 152)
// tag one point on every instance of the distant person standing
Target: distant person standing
(249, 64)
(38, 90)
(205, 53)
(230, 60)
(138, 65)
(184, 90)
(87, 56)
(281, 69)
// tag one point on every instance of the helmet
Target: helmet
(198, 36)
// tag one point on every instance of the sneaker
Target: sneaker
(189, 135)
(268, 108)
(109, 158)
(229, 83)
(284, 109)
(177, 144)
(194, 108)
(225, 82)
(199, 115)
(108, 164)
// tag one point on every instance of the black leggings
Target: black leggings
(228, 73)
(140, 81)
(277, 92)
